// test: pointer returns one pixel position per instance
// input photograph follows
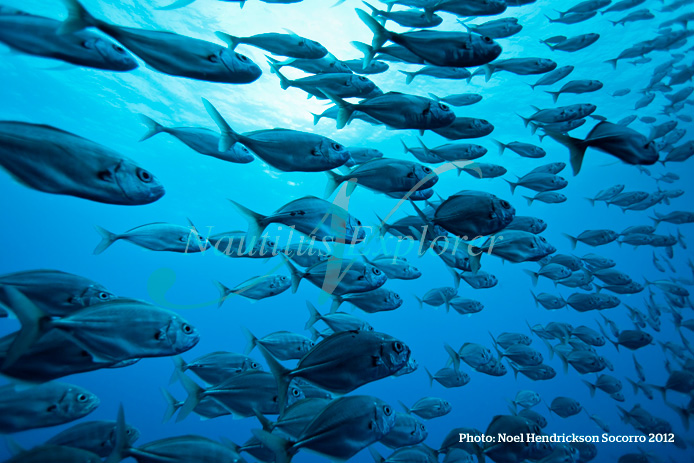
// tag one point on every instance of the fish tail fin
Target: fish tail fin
(591, 201)
(374, 10)
(284, 82)
(533, 130)
(488, 71)
(107, 239)
(255, 224)
(367, 50)
(175, 5)
(533, 278)
(153, 127)
(404, 146)
(456, 277)
(313, 317)
(682, 413)
(410, 76)
(656, 220)
(591, 387)
(316, 118)
(180, 366)
(515, 369)
(337, 302)
(281, 374)
(282, 448)
(231, 41)
(78, 18)
(661, 389)
(195, 393)
(224, 292)
(227, 137)
(431, 377)
(30, 317)
(529, 200)
(555, 95)
(512, 185)
(120, 446)
(526, 120)
(405, 407)
(501, 146)
(171, 405)
(634, 386)
(535, 298)
(295, 273)
(613, 62)
(334, 181)
(548, 18)
(577, 149)
(467, 28)
(381, 34)
(264, 421)
(345, 110)
(251, 340)
(455, 358)
(572, 239)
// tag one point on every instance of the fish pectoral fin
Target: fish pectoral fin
(96, 356)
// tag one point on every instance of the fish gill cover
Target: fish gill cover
(414, 227)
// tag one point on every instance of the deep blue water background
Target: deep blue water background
(47, 231)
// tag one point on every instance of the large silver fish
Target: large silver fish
(54, 161)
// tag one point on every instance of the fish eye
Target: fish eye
(376, 271)
(421, 427)
(104, 295)
(311, 343)
(362, 78)
(187, 329)
(505, 204)
(487, 40)
(213, 59)
(254, 365)
(241, 57)
(387, 410)
(426, 170)
(443, 107)
(82, 398)
(119, 49)
(336, 146)
(296, 393)
(397, 296)
(398, 347)
(144, 175)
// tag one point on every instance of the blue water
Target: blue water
(57, 232)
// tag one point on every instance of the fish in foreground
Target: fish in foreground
(52, 160)
(36, 35)
(113, 331)
(170, 53)
(619, 141)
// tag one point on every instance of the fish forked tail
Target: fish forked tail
(512, 185)
(224, 293)
(153, 127)
(454, 357)
(78, 18)
(180, 366)
(282, 448)
(529, 200)
(255, 222)
(534, 277)
(31, 319)
(171, 405)
(120, 447)
(228, 137)
(572, 239)
(410, 76)
(501, 146)
(613, 62)
(555, 95)
(431, 377)
(282, 376)
(334, 182)
(577, 149)
(296, 275)
(367, 50)
(314, 315)
(592, 387)
(107, 239)
(344, 109)
(231, 40)
(381, 34)
(195, 395)
(251, 340)
(284, 82)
